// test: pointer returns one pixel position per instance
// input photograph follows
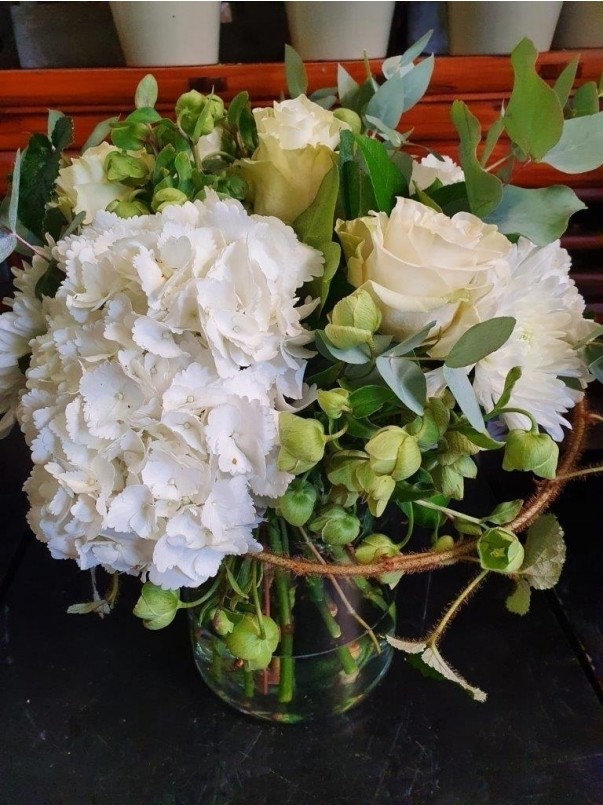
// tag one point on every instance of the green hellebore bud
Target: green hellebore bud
(342, 469)
(376, 547)
(297, 504)
(378, 489)
(302, 443)
(221, 623)
(527, 451)
(394, 452)
(246, 641)
(197, 113)
(335, 402)
(500, 550)
(340, 496)
(350, 117)
(336, 526)
(444, 543)
(166, 197)
(157, 607)
(126, 169)
(128, 209)
(353, 321)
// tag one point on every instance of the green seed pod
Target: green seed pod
(528, 451)
(393, 451)
(297, 504)
(350, 117)
(336, 526)
(166, 197)
(246, 643)
(500, 550)
(128, 209)
(353, 321)
(125, 169)
(302, 443)
(335, 402)
(444, 543)
(157, 607)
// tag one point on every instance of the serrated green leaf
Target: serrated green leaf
(295, 73)
(386, 179)
(480, 340)
(462, 391)
(534, 115)
(484, 190)
(541, 215)
(15, 183)
(564, 83)
(432, 657)
(405, 379)
(99, 133)
(505, 512)
(518, 602)
(544, 553)
(60, 130)
(586, 100)
(147, 92)
(39, 170)
(580, 148)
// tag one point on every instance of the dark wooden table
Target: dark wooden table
(105, 713)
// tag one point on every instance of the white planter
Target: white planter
(580, 26)
(496, 27)
(328, 31)
(168, 33)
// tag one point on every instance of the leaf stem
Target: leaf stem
(454, 607)
(427, 504)
(282, 583)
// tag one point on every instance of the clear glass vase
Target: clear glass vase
(331, 653)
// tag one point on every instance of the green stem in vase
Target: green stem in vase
(248, 681)
(283, 587)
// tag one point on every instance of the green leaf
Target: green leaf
(386, 179)
(400, 93)
(354, 355)
(101, 607)
(534, 115)
(347, 87)
(452, 198)
(365, 401)
(100, 132)
(484, 190)
(580, 148)
(390, 135)
(544, 553)
(8, 244)
(315, 225)
(505, 512)
(60, 130)
(480, 340)
(462, 390)
(586, 100)
(49, 282)
(596, 368)
(511, 379)
(236, 107)
(295, 72)
(129, 136)
(541, 215)
(39, 170)
(146, 92)
(432, 657)
(492, 137)
(563, 85)
(145, 114)
(405, 379)
(13, 205)
(518, 602)
(394, 64)
(478, 438)
(410, 343)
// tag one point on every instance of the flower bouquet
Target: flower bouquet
(257, 354)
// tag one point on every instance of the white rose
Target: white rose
(420, 265)
(297, 140)
(430, 168)
(85, 186)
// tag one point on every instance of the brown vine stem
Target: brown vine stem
(455, 606)
(338, 589)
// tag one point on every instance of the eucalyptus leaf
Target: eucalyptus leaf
(8, 244)
(564, 83)
(480, 340)
(400, 93)
(596, 368)
(479, 438)
(484, 190)
(355, 355)
(534, 115)
(462, 391)
(539, 214)
(13, 205)
(511, 379)
(144, 114)
(580, 148)
(100, 132)
(146, 92)
(410, 343)
(295, 73)
(388, 134)
(394, 64)
(586, 100)
(405, 379)
(347, 87)
(492, 137)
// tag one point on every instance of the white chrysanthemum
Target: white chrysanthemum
(430, 168)
(548, 309)
(152, 397)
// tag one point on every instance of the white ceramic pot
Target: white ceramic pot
(328, 31)
(496, 27)
(580, 26)
(168, 33)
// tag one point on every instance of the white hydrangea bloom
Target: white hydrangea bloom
(539, 293)
(154, 387)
